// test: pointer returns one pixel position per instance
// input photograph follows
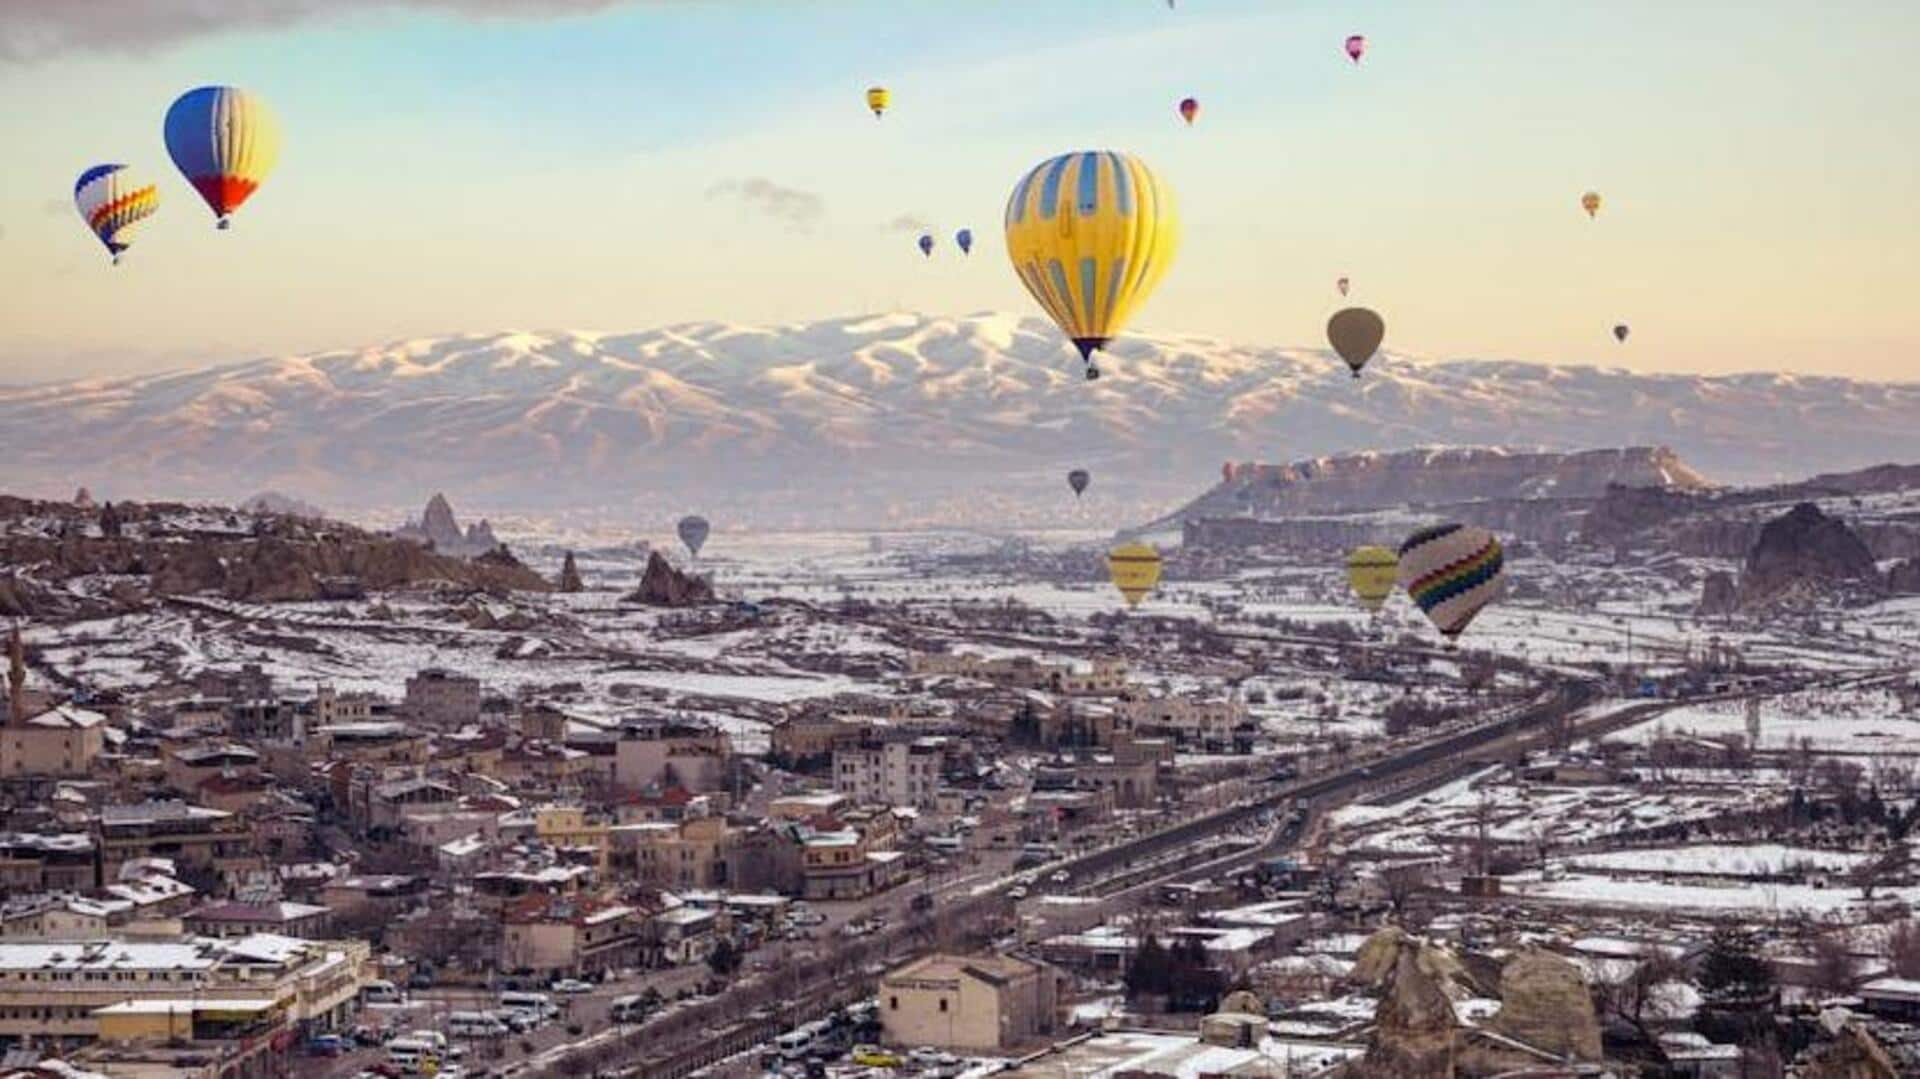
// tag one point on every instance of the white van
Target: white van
(433, 1039)
(476, 1025)
(794, 1044)
(538, 1005)
(408, 1054)
(629, 1009)
(380, 992)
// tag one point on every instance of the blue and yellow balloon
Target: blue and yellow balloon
(1090, 234)
(111, 200)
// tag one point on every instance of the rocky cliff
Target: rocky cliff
(663, 586)
(439, 529)
(1805, 555)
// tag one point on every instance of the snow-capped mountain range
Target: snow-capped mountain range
(875, 420)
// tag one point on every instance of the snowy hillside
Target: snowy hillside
(887, 419)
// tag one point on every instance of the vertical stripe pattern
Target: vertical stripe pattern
(225, 141)
(1090, 234)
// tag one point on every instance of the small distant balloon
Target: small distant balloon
(1343, 284)
(926, 244)
(1078, 480)
(693, 531)
(1356, 47)
(1189, 108)
(111, 200)
(964, 238)
(1620, 333)
(1371, 573)
(878, 98)
(1590, 202)
(1355, 333)
(1135, 569)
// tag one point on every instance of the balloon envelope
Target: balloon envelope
(964, 238)
(1452, 571)
(1372, 572)
(878, 98)
(1189, 108)
(1355, 333)
(1090, 234)
(1135, 569)
(225, 141)
(926, 244)
(1078, 480)
(1590, 202)
(1343, 284)
(111, 200)
(1357, 47)
(693, 531)
(1620, 332)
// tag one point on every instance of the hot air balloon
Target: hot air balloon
(112, 201)
(1356, 47)
(1226, 472)
(225, 142)
(1590, 202)
(964, 238)
(1372, 572)
(1189, 108)
(1355, 333)
(1451, 571)
(1090, 234)
(1078, 480)
(693, 531)
(878, 97)
(1343, 284)
(1620, 333)
(926, 244)
(1135, 568)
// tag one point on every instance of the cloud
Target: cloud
(36, 29)
(909, 223)
(801, 210)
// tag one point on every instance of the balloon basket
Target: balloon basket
(224, 224)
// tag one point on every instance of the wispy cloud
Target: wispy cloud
(800, 210)
(909, 223)
(34, 29)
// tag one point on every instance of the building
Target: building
(572, 936)
(980, 1003)
(1103, 676)
(245, 919)
(189, 835)
(187, 767)
(661, 755)
(63, 741)
(47, 862)
(442, 698)
(891, 772)
(54, 988)
(846, 864)
(676, 854)
(1217, 723)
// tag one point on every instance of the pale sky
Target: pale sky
(472, 165)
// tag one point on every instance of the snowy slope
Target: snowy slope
(888, 418)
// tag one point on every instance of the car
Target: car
(1017, 892)
(924, 1055)
(1061, 877)
(571, 986)
(326, 1045)
(872, 1056)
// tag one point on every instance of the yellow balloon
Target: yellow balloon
(877, 100)
(1135, 568)
(1090, 235)
(1590, 202)
(1373, 572)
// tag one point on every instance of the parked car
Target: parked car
(326, 1045)
(872, 1056)
(572, 986)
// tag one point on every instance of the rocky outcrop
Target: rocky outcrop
(1805, 554)
(570, 576)
(1904, 578)
(273, 502)
(439, 529)
(1544, 1002)
(663, 586)
(1719, 594)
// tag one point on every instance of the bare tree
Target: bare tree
(1833, 970)
(1903, 948)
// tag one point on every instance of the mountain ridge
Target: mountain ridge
(892, 419)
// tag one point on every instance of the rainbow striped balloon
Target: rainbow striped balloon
(1451, 571)
(225, 141)
(111, 201)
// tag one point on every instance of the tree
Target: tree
(1833, 966)
(724, 959)
(1629, 998)
(1150, 973)
(1732, 971)
(1192, 983)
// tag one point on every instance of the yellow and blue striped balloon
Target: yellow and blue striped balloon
(225, 141)
(1090, 235)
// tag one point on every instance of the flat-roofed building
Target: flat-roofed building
(983, 1002)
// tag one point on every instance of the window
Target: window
(893, 1004)
(943, 1004)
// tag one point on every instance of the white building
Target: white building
(894, 772)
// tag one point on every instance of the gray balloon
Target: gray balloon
(693, 533)
(1356, 333)
(1078, 480)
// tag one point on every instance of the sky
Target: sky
(457, 166)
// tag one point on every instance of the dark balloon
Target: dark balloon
(1078, 480)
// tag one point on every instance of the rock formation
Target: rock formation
(1719, 594)
(663, 586)
(1805, 554)
(273, 502)
(570, 576)
(1904, 578)
(1544, 1002)
(83, 498)
(439, 528)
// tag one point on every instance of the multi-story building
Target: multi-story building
(58, 989)
(662, 755)
(575, 936)
(47, 862)
(692, 853)
(1100, 676)
(1216, 723)
(188, 766)
(982, 1002)
(443, 698)
(189, 835)
(892, 771)
(62, 741)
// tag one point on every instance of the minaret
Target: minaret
(16, 678)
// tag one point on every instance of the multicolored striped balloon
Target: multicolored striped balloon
(225, 141)
(112, 201)
(1452, 571)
